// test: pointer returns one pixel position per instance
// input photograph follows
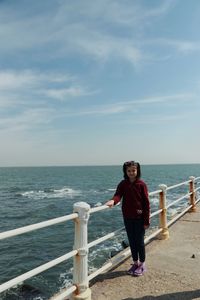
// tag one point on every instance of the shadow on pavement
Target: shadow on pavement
(109, 275)
(187, 295)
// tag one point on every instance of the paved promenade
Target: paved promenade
(173, 268)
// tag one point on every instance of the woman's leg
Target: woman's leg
(135, 232)
(129, 226)
(139, 239)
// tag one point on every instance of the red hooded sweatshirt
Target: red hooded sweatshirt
(135, 203)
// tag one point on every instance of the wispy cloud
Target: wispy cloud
(63, 94)
(133, 106)
(180, 46)
(163, 118)
(163, 99)
(103, 47)
(28, 119)
(30, 87)
(17, 79)
(101, 110)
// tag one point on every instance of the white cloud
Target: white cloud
(163, 99)
(102, 110)
(181, 46)
(133, 106)
(18, 79)
(104, 47)
(15, 80)
(63, 94)
(28, 87)
(28, 119)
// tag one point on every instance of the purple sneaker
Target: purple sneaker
(132, 269)
(140, 270)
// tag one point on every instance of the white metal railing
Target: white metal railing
(81, 246)
(33, 227)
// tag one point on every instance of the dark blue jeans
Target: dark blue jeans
(135, 232)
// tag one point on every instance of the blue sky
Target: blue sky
(99, 82)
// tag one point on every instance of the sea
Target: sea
(30, 195)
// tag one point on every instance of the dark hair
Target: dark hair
(129, 164)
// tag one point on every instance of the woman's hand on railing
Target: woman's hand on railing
(110, 203)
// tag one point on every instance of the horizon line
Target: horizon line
(95, 165)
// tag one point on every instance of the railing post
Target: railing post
(164, 235)
(192, 195)
(80, 272)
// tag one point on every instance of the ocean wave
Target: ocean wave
(98, 204)
(64, 192)
(65, 279)
(101, 191)
(111, 190)
(154, 201)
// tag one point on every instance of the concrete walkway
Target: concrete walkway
(173, 268)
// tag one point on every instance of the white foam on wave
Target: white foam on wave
(154, 201)
(52, 193)
(98, 204)
(102, 251)
(111, 190)
(101, 191)
(172, 212)
(65, 279)
(170, 197)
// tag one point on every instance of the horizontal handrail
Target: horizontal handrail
(155, 193)
(99, 208)
(102, 239)
(178, 200)
(7, 285)
(28, 228)
(157, 212)
(177, 185)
